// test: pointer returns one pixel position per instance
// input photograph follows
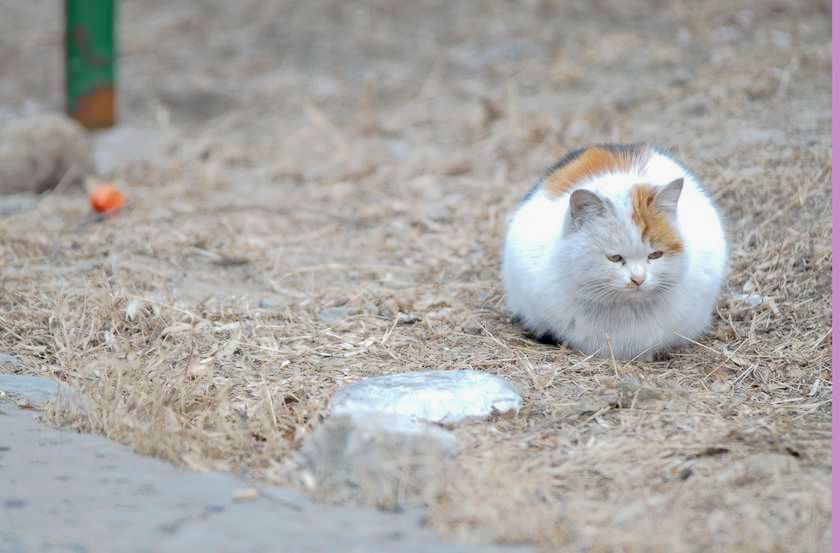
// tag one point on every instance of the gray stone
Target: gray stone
(14, 204)
(332, 315)
(39, 152)
(84, 493)
(37, 393)
(753, 300)
(274, 303)
(438, 212)
(386, 460)
(436, 396)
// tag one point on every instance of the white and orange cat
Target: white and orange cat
(617, 251)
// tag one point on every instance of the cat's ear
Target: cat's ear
(669, 196)
(584, 206)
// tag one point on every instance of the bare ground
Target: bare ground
(365, 155)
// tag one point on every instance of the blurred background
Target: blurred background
(419, 76)
(316, 192)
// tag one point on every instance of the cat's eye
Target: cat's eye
(615, 258)
(655, 255)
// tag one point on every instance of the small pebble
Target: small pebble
(332, 315)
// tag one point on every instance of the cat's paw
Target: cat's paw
(546, 338)
(549, 339)
(662, 355)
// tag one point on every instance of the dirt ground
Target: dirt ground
(365, 155)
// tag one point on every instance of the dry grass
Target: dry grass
(334, 154)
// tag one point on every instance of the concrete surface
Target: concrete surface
(34, 392)
(61, 491)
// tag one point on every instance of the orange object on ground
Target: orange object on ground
(106, 199)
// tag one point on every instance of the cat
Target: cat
(617, 251)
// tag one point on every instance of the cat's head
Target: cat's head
(626, 249)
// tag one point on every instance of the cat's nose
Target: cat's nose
(637, 279)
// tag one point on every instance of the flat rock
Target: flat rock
(36, 392)
(391, 461)
(436, 396)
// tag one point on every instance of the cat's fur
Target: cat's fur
(615, 200)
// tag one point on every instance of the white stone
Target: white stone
(386, 460)
(377, 424)
(436, 396)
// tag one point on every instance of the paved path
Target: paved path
(66, 492)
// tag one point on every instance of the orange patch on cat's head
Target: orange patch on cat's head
(655, 226)
(592, 162)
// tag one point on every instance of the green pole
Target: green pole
(90, 61)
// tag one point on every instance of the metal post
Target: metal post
(90, 61)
